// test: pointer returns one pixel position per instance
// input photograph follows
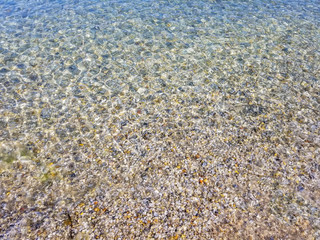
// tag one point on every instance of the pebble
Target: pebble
(4, 70)
(45, 113)
(141, 90)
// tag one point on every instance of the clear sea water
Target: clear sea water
(117, 110)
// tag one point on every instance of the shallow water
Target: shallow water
(159, 119)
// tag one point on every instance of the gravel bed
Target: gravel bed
(155, 119)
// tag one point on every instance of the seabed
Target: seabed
(160, 119)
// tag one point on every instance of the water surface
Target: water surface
(159, 119)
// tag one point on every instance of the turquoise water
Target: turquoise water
(159, 119)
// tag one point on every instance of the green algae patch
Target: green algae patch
(28, 152)
(8, 154)
(14, 152)
(8, 158)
